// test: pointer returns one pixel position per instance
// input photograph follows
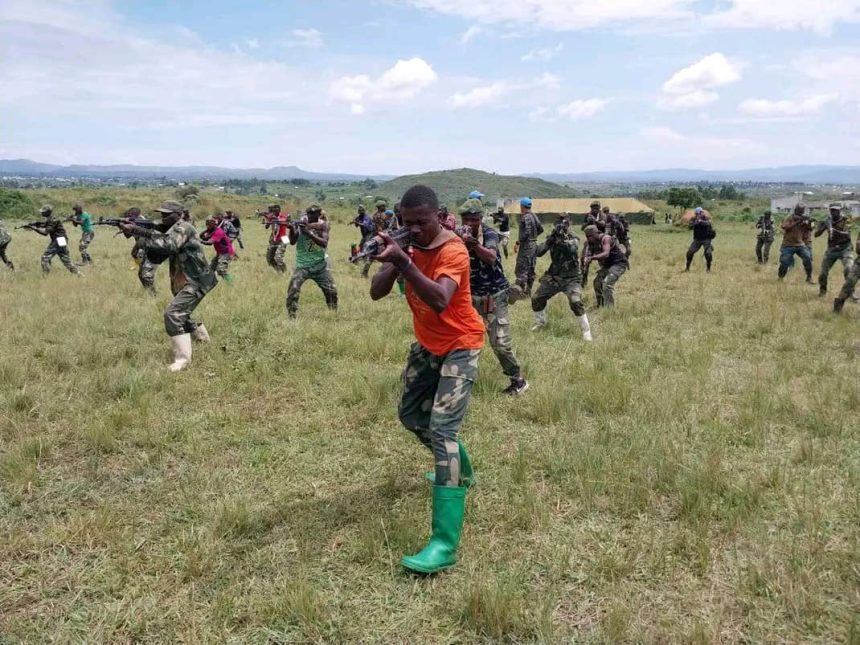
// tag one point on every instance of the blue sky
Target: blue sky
(401, 86)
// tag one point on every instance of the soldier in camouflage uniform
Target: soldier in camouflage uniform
(85, 221)
(442, 365)
(563, 276)
(764, 237)
(277, 221)
(311, 241)
(191, 278)
(703, 236)
(490, 290)
(850, 284)
(380, 219)
(59, 244)
(613, 264)
(839, 248)
(5, 238)
(594, 217)
(530, 228)
(617, 226)
(146, 268)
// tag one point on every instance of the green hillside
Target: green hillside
(453, 186)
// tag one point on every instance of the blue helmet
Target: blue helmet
(526, 201)
(389, 212)
(475, 195)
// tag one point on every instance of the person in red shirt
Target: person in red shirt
(277, 221)
(442, 364)
(216, 237)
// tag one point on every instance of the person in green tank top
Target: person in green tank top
(85, 221)
(310, 237)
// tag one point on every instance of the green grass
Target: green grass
(692, 476)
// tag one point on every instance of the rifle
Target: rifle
(401, 237)
(31, 225)
(141, 222)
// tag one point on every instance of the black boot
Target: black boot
(838, 303)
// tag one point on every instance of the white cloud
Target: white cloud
(542, 54)
(310, 38)
(766, 108)
(399, 83)
(558, 15)
(834, 65)
(548, 81)
(481, 96)
(582, 108)
(252, 43)
(692, 86)
(692, 149)
(816, 15)
(469, 34)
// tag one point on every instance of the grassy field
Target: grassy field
(691, 476)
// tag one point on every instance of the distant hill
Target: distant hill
(27, 168)
(783, 174)
(453, 186)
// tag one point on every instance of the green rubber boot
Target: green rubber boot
(449, 503)
(467, 476)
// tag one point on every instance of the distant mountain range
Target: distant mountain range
(784, 174)
(27, 168)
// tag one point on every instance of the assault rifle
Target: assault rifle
(31, 225)
(402, 237)
(141, 222)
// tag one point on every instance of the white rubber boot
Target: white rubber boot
(200, 334)
(540, 319)
(181, 352)
(586, 328)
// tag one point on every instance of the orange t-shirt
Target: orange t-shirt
(459, 326)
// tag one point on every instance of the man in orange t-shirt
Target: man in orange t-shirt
(442, 364)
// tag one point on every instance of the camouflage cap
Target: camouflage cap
(591, 229)
(471, 207)
(381, 203)
(46, 208)
(593, 204)
(170, 207)
(77, 207)
(314, 208)
(606, 209)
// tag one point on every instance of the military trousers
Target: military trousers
(3, 257)
(62, 252)
(850, 283)
(434, 401)
(762, 249)
(786, 259)
(842, 254)
(320, 274)
(494, 312)
(605, 281)
(221, 264)
(524, 269)
(505, 240)
(177, 316)
(84, 244)
(708, 247)
(549, 286)
(275, 256)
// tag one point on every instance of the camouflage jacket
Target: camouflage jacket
(530, 228)
(838, 232)
(5, 238)
(766, 229)
(188, 264)
(228, 228)
(54, 228)
(564, 258)
(618, 227)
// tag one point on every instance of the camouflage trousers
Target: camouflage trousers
(831, 257)
(604, 284)
(3, 257)
(851, 281)
(275, 256)
(505, 240)
(83, 245)
(524, 269)
(494, 311)
(325, 281)
(762, 250)
(435, 398)
(145, 268)
(221, 264)
(63, 253)
(177, 316)
(550, 285)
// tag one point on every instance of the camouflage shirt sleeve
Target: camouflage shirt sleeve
(170, 242)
